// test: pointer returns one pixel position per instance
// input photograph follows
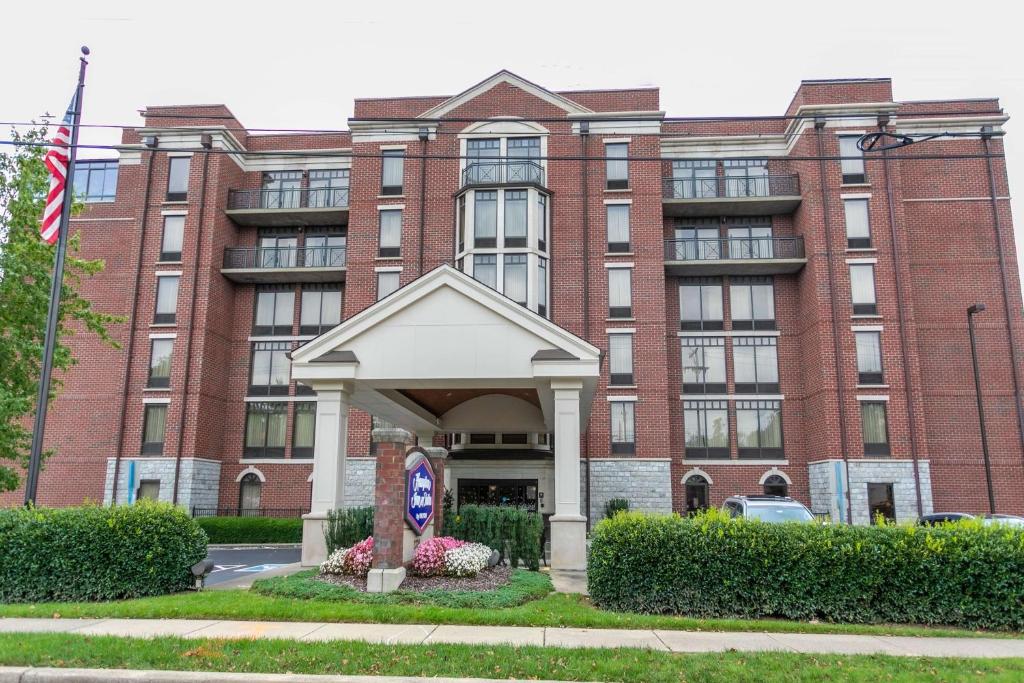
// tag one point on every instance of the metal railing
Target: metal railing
(284, 257)
(731, 186)
(502, 172)
(734, 248)
(248, 512)
(289, 198)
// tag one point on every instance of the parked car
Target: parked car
(940, 517)
(767, 508)
(1008, 520)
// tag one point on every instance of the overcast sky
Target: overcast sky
(300, 64)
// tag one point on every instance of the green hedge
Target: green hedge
(97, 553)
(514, 532)
(710, 565)
(252, 529)
(347, 527)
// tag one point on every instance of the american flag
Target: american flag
(57, 161)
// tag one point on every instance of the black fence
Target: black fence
(285, 257)
(753, 248)
(503, 172)
(715, 187)
(289, 198)
(248, 512)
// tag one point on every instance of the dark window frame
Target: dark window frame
(610, 182)
(761, 452)
(178, 196)
(858, 242)
(864, 308)
(852, 178)
(166, 318)
(620, 311)
(515, 242)
(156, 381)
(870, 377)
(619, 247)
(320, 327)
(704, 387)
(268, 408)
(166, 256)
(382, 273)
(153, 447)
(706, 452)
(876, 448)
(484, 242)
(890, 497)
(622, 447)
(753, 323)
(389, 251)
(622, 379)
(274, 348)
(272, 330)
(303, 451)
(710, 325)
(392, 190)
(775, 485)
(84, 172)
(755, 387)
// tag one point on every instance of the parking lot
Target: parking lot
(238, 563)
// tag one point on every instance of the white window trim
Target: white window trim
(173, 212)
(616, 141)
(157, 400)
(278, 399)
(388, 269)
(172, 155)
(622, 399)
(163, 335)
(620, 330)
(627, 264)
(855, 195)
(866, 328)
(390, 207)
(614, 202)
(392, 148)
(879, 398)
(250, 470)
(775, 471)
(861, 261)
(168, 273)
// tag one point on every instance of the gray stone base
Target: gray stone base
(198, 480)
(360, 479)
(829, 486)
(645, 482)
(568, 542)
(384, 580)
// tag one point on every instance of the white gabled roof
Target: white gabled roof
(505, 76)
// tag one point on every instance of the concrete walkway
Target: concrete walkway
(416, 634)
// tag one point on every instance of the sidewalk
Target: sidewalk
(416, 634)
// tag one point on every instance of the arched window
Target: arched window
(249, 493)
(697, 489)
(775, 485)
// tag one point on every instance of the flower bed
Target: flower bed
(354, 561)
(447, 556)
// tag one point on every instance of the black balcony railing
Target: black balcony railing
(718, 187)
(284, 257)
(248, 512)
(289, 198)
(752, 248)
(503, 172)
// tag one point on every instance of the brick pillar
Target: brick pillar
(387, 572)
(438, 458)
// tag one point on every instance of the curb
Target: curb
(253, 546)
(52, 675)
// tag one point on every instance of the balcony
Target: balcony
(284, 264)
(289, 207)
(735, 256)
(765, 195)
(494, 172)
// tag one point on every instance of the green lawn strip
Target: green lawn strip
(352, 658)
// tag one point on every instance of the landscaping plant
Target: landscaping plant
(711, 565)
(97, 553)
(615, 506)
(514, 532)
(347, 527)
(354, 561)
(252, 529)
(447, 556)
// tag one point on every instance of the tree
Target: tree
(26, 266)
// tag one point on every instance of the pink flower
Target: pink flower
(429, 559)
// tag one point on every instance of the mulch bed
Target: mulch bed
(486, 580)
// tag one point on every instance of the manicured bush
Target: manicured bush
(97, 553)
(615, 506)
(252, 529)
(354, 561)
(711, 565)
(514, 532)
(347, 527)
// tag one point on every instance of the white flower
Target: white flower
(466, 560)
(335, 563)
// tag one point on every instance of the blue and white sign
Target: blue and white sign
(419, 495)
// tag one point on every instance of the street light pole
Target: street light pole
(971, 311)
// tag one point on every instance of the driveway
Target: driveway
(239, 565)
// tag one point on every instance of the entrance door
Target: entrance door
(696, 494)
(510, 492)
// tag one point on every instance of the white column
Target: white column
(330, 448)
(568, 526)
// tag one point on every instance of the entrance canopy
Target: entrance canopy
(447, 353)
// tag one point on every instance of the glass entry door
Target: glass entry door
(506, 492)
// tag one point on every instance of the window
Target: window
(265, 424)
(874, 428)
(278, 251)
(154, 425)
(95, 181)
(160, 363)
(694, 179)
(698, 239)
(515, 277)
(746, 178)
(516, 439)
(881, 503)
(324, 251)
(321, 309)
(697, 489)
(149, 489)
(528, 170)
(390, 232)
(304, 429)
(485, 219)
(542, 222)
(170, 243)
(756, 365)
(177, 178)
(618, 227)
(706, 429)
(542, 285)
(620, 292)
(249, 490)
(853, 167)
(775, 485)
(751, 242)
(869, 357)
(275, 309)
(462, 223)
(483, 160)
(703, 365)
(752, 303)
(622, 425)
(328, 188)
(482, 439)
(387, 283)
(270, 371)
(485, 269)
(759, 429)
(281, 190)
(515, 218)
(862, 289)
(700, 304)
(166, 300)
(392, 170)
(620, 359)
(858, 227)
(616, 165)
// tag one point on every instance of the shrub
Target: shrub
(354, 561)
(252, 529)
(429, 559)
(97, 553)
(514, 532)
(347, 527)
(710, 565)
(615, 506)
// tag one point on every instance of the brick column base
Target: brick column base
(387, 572)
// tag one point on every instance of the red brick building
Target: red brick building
(770, 318)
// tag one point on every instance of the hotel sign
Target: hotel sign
(419, 494)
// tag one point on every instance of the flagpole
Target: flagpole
(52, 320)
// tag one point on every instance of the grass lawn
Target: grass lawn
(265, 656)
